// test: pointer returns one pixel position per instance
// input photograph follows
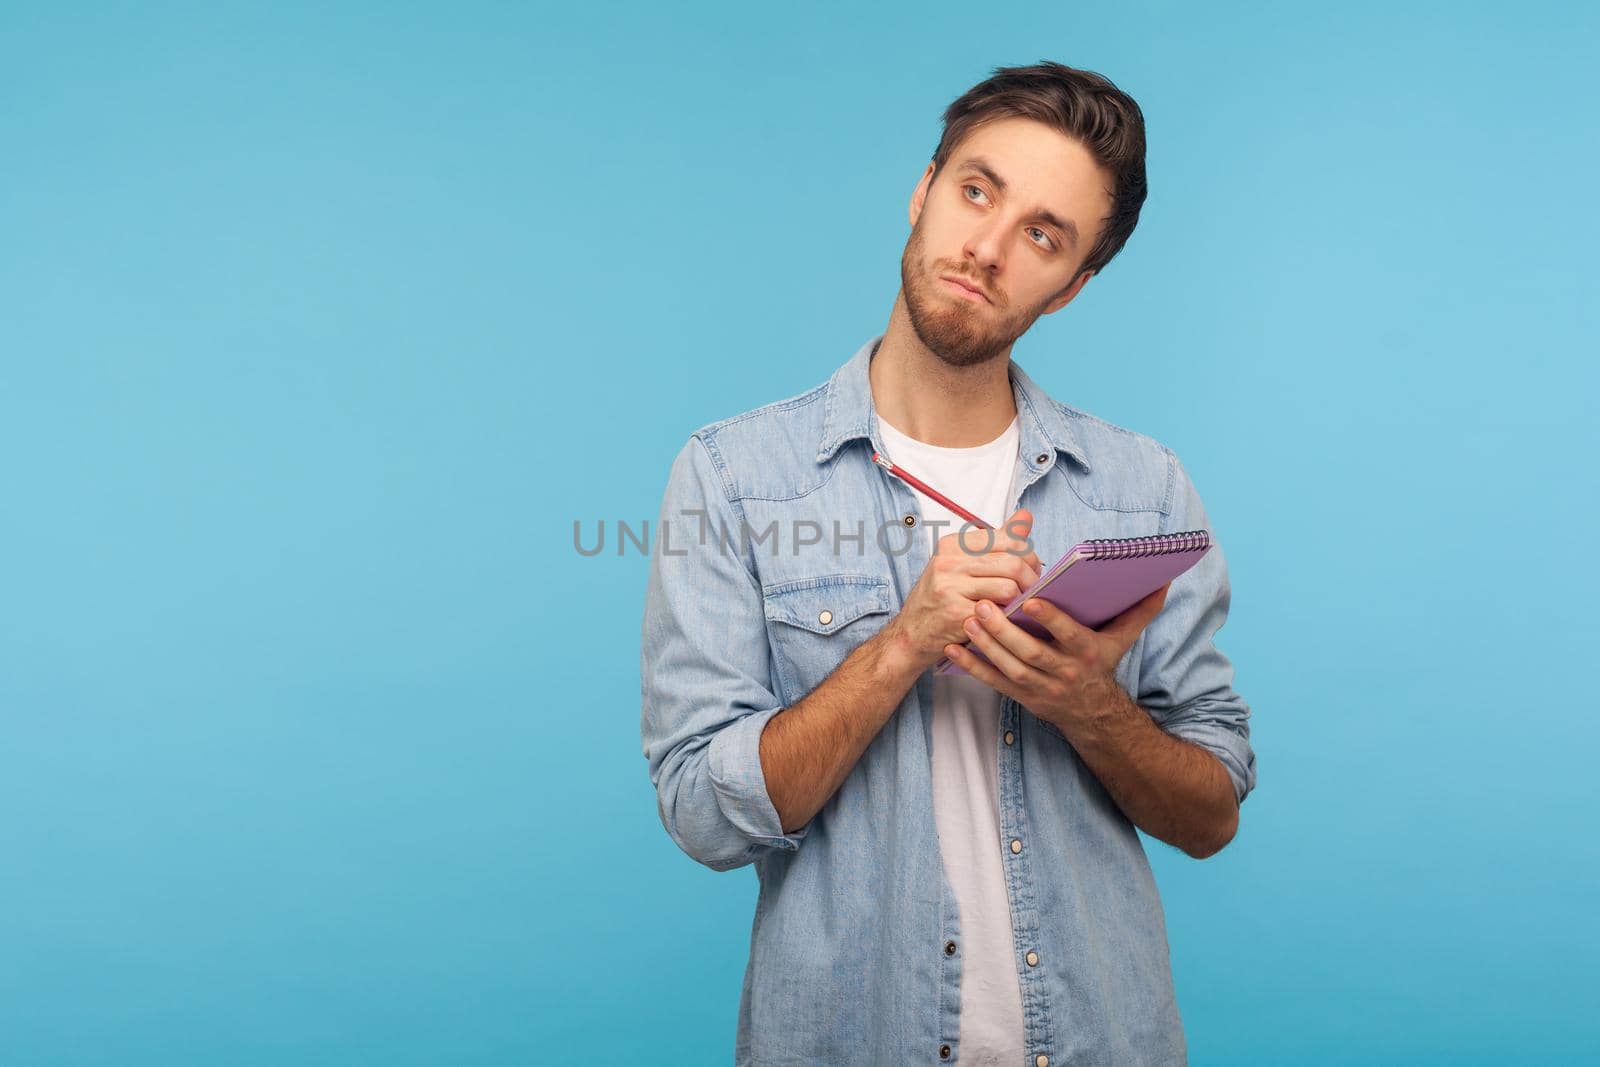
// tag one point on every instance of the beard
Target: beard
(960, 332)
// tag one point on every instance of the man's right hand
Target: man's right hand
(961, 573)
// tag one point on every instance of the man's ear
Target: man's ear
(1067, 294)
(919, 195)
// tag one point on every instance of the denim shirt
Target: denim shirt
(780, 548)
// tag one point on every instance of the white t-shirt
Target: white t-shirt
(965, 762)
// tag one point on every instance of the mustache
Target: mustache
(968, 279)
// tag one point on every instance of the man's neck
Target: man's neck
(930, 401)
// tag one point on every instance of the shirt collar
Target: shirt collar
(848, 413)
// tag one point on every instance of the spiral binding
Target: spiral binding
(1158, 545)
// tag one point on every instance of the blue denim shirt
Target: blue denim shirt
(780, 548)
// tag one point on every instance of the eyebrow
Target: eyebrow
(981, 165)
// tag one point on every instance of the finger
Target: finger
(1032, 560)
(1017, 653)
(1024, 567)
(999, 590)
(1001, 565)
(1066, 630)
(978, 540)
(1006, 565)
(1037, 652)
(1014, 567)
(962, 657)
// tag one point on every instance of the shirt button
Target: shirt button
(1033, 959)
(949, 948)
(1016, 846)
(944, 1052)
(1041, 1060)
(1010, 737)
(910, 520)
(825, 618)
(1042, 457)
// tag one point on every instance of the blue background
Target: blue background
(322, 324)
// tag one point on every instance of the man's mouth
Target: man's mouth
(964, 290)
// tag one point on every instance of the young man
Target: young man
(949, 868)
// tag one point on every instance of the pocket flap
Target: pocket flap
(827, 603)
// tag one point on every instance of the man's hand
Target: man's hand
(967, 567)
(1069, 682)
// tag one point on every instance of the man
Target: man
(949, 868)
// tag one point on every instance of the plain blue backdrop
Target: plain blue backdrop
(322, 324)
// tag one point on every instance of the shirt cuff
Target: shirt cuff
(1233, 751)
(734, 761)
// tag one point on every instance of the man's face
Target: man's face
(1016, 245)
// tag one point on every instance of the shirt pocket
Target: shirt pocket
(815, 623)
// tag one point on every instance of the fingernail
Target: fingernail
(983, 608)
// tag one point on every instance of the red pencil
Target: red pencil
(928, 490)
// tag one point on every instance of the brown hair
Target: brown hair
(1082, 105)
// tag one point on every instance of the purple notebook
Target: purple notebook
(1098, 580)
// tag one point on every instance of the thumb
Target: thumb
(1151, 606)
(1127, 626)
(1020, 523)
(1019, 528)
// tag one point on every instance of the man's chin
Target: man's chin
(962, 352)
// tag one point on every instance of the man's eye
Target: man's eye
(1034, 229)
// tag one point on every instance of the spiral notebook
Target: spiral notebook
(1100, 579)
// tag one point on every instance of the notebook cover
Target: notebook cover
(1098, 580)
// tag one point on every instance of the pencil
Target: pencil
(927, 490)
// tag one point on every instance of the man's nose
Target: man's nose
(986, 249)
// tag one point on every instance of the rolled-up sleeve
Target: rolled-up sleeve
(1184, 681)
(705, 673)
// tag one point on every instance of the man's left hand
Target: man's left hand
(1069, 682)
